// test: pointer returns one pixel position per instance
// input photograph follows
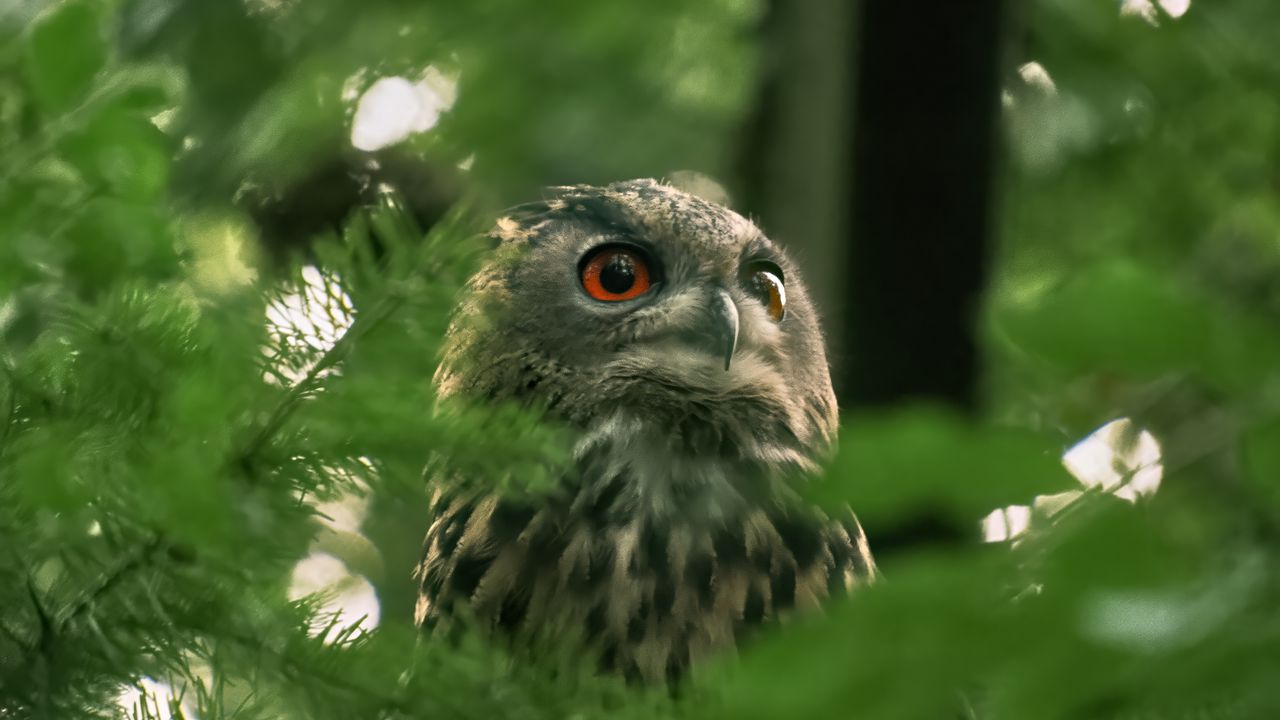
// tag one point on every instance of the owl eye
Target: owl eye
(614, 273)
(765, 279)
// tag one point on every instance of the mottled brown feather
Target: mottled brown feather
(679, 530)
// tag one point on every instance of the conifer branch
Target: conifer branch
(11, 400)
(135, 561)
(291, 667)
(299, 390)
(44, 641)
(9, 633)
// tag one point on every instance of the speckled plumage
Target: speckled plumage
(679, 528)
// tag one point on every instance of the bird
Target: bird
(678, 346)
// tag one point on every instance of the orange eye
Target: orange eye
(614, 274)
(769, 288)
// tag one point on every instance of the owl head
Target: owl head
(637, 298)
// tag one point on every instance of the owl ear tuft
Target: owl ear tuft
(519, 223)
(508, 229)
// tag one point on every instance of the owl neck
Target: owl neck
(662, 449)
(661, 467)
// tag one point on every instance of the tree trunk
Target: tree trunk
(923, 161)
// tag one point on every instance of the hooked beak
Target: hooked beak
(723, 325)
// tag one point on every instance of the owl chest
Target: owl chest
(654, 573)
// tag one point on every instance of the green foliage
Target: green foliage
(64, 50)
(940, 464)
(184, 396)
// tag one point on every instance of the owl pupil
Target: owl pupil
(618, 275)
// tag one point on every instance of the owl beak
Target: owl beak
(724, 325)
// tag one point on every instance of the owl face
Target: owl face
(638, 295)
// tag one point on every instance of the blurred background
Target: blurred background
(1045, 237)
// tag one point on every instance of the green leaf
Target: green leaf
(925, 459)
(64, 51)
(1116, 316)
(900, 649)
(110, 240)
(121, 154)
(1243, 352)
(149, 88)
(13, 101)
(1261, 459)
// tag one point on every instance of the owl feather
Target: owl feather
(680, 347)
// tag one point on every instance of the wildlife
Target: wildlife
(679, 346)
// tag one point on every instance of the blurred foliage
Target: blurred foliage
(166, 433)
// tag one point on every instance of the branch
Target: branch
(362, 325)
(12, 397)
(108, 582)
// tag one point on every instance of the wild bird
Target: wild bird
(679, 345)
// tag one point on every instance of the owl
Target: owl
(678, 345)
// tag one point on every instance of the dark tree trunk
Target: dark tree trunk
(923, 161)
